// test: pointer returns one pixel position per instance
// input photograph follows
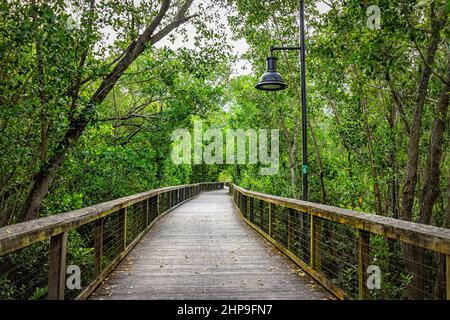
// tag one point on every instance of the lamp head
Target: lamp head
(271, 80)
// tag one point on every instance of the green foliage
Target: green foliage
(358, 130)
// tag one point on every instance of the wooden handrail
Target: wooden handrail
(434, 239)
(425, 236)
(56, 229)
(20, 235)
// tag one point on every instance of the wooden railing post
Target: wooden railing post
(122, 229)
(447, 276)
(98, 245)
(248, 199)
(363, 263)
(315, 239)
(261, 213)
(251, 210)
(158, 203)
(289, 231)
(270, 218)
(57, 267)
(147, 215)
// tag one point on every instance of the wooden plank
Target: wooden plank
(203, 250)
(327, 284)
(99, 279)
(57, 267)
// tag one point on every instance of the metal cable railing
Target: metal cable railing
(66, 256)
(354, 255)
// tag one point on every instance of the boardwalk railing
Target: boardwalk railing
(68, 255)
(354, 255)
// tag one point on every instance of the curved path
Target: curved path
(204, 250)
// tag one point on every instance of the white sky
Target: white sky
(239, 47)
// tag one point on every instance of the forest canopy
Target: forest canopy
(88, 101)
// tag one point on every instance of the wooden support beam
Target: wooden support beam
(98, 245)
(447, 276)
(57, 267)
(316, 255)
(270, 218)
(289, 229)
(147, 212)
(251, 210)
(122, 230)
(363, 263)
(158, 203)
(261, 213)
(247, 202)
(311, 240)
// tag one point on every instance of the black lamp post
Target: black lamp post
(271, 80)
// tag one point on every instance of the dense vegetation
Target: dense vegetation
(86, 117)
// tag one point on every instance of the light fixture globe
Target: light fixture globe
(271, 80)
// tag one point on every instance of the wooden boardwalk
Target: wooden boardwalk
(203, 250)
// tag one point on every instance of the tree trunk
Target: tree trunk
(376, 187)
(319, 159)
(439, 285)
(47, 173)
(430, 190)
(292, 153)
(412, 254)
(409, 186)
